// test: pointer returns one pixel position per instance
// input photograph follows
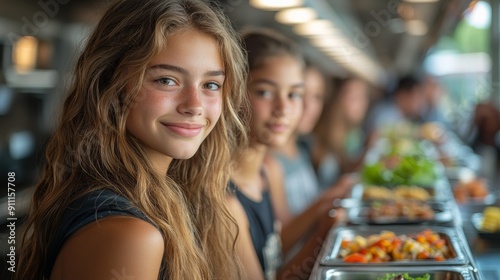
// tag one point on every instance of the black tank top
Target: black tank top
(265, 238)
(88, 209)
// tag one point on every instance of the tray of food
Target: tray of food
(487, 223)
(399, 273)
(403, 245)
(472, 191)
(459, 161)
(459, 173)
(400, 212)
(440, 191)
(395, 169)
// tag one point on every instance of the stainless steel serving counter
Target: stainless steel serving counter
(486, 251)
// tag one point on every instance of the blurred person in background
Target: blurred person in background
(299, 198)
(487, 121)
(135, 176)
(301, 186)
(275, 90)
(407, 105)
(339, 132)
(434, 94)
(486, 126)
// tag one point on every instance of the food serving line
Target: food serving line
(417, 228)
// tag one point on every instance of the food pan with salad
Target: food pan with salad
(396, 170)
(387, 273)
(404, 276)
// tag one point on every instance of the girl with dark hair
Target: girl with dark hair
(275, 90)
(338, 131)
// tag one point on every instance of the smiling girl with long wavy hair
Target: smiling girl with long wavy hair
(135, 177)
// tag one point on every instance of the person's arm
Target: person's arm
(244, 245)
(357, 163)
(487, 120)
(302, 224)
(307, 221)
(301, 265)
(294, 228)
(274, 173)
(112, 247)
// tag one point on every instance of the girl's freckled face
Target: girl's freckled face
(181, 97)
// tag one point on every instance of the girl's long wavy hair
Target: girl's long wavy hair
(333, 126)
(92, 150)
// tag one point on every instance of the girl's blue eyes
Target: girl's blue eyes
(212, 86)
(170, 82)
(166, 81)
(264, 93)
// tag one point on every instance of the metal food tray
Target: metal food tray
(372, 273)
(459, 173)
(477, 220)
(440, 191)
(489, 199)
(455, 238)
(360, 215)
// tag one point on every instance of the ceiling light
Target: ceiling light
(421, 1)
(25, 54)
(342, 59)
(416, 27)
(295, 15)
(338, 53)
(275, 5)
(406, 11)
(315, 27)
(328, 42)
(345, 53)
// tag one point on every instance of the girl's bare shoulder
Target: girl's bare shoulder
(112, 247)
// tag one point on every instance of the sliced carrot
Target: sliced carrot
(345, 243)
(364, 251)
(355, 258)
(439, 258)
(422, 255)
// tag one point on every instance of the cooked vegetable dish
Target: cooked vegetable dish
(387, 247)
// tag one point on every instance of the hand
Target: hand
(342, 187)
(371, 139)
(487, 120)
(332, 217)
